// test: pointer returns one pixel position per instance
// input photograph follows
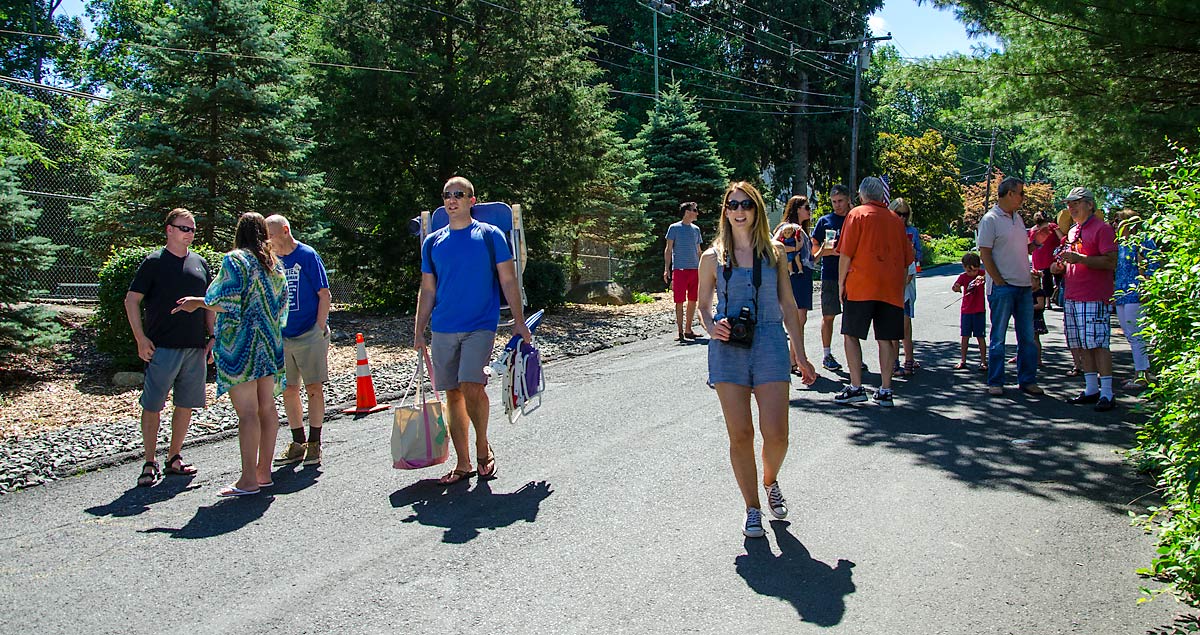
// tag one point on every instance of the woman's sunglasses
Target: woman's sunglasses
(733, 205)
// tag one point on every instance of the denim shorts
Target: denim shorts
(767, 360)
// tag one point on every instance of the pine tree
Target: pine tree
(612, 207)
(23, 327)
(216, 131)
(500, 93)
(684, 166)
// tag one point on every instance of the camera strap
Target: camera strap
(755, 277)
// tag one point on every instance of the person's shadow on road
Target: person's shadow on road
(464, 511)
(137, 500)
(816, 590)
(223, 517)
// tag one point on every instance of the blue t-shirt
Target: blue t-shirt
(305, 277)
(829, 264)
(468, 296)
(685, 254)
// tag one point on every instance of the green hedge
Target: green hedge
(545, 285)
(113, 336)
(1169, 442)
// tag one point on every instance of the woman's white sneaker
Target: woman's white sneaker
(775, 501)
(753, 527)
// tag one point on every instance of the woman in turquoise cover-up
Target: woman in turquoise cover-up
(249, 296)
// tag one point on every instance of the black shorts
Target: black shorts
(858, 316)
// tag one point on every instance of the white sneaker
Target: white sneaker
(776, 503)
(753, 527)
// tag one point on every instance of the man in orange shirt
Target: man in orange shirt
(875, 255)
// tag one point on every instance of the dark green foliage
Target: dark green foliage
(23, 327)
(921, 171)
(545, 285)
(1170, 304)
(217, 133)
(501, 96)
(1095, 84)
(684, 166)
(113, 335)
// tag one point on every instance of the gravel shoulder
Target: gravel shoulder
(68, 417)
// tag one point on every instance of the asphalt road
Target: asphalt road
(615, 511)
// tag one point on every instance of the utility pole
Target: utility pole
(667, 9)
(860, 64)
(987, 179)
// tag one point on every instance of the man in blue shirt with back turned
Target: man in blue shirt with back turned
(460, 303)
(305, 341)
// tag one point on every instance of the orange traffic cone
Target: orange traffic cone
(366, 387)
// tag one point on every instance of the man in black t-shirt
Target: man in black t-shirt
(176, 347)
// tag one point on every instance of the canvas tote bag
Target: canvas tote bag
(419, 435)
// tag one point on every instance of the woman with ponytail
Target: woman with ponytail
(250, 298)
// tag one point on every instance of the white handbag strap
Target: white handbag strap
(414, 383)
(424, 357)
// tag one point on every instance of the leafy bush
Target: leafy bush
(113, 336)
(946, 249)
(1171, 436)
(642, 298)
(545, 285)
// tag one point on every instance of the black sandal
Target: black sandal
(489, 461)
(149, 476)
(184, 469)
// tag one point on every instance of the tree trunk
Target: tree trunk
(800, 139)
(576, 269)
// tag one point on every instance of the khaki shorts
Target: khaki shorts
(461, 357)
(306, 357)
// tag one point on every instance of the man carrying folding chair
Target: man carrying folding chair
(464, 266)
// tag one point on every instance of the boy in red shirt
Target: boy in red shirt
(972, 321)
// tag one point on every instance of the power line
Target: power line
(779, 19)
(786, 55)
(717, 73)
(752, 99)
(753, 112)
(267, 58)
(53, 89)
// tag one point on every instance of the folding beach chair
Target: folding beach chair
(503, 216)
(520, 366)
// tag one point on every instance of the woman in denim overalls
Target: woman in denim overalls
(743, 254)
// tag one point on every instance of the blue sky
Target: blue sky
(918, 31)
(921, 31)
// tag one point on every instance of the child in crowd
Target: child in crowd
(1041, 299)
(973, 318)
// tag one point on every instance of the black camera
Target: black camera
(741, 328)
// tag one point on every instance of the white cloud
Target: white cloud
(878, 24)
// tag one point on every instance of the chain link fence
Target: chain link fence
(67, 184)
(596, 261)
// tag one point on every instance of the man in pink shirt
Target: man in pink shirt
(1089, 264)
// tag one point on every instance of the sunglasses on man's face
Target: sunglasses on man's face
(733, 205)
(184, 228)
(455, 194)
